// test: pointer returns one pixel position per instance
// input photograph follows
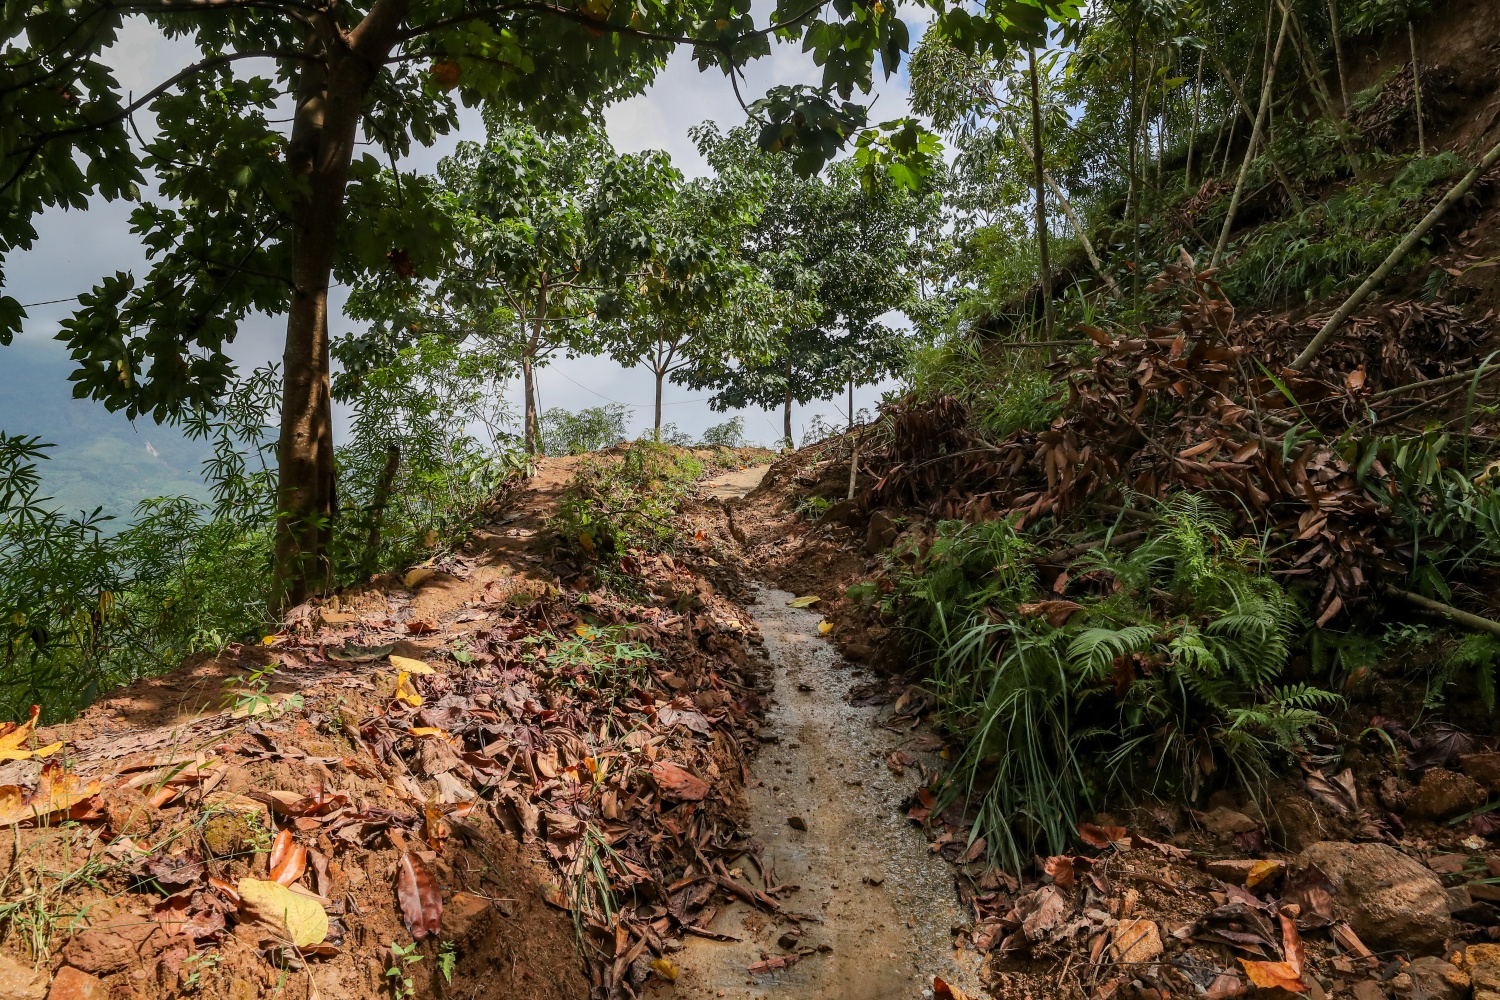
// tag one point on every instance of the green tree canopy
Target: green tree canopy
(248, 213)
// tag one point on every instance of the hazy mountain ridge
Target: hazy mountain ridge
(100, 459)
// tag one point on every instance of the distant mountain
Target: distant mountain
(101, 459)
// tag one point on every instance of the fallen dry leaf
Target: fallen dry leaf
(12, 742)
(421, 900)
(1274, 975)
(1100, 836)
(1056, 613)
(943, 990)
(803, 602)
(57, 791)
(405, 692)
(410, 665)
(665, 968)
(677, 783)
(294, 918)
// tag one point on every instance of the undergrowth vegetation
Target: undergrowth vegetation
(1165, 681)
(628, 500)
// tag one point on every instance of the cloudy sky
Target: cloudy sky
(77, 248)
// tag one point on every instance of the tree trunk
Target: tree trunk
(1044, 264)
(1187, 173)
(1338, 51)
(1416, 89)
(330, 100)
(529, 403)
(786, 413)
(330, 96)
(1260, 118)
(378, 503)
(1083, 236)
(657, 425)
(528, 370)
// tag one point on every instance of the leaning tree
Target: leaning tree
(254, 195)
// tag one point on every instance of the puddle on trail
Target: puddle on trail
(886, 903)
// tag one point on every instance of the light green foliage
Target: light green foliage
(616, 503)
(842, 254)
(1169, 683)
(1007, 390)
(1369, 17)
(593, 428)
(595, 659)
(729, 434)
(399, 974)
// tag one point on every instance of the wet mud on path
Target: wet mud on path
(875, 905)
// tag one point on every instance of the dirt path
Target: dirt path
(871, 890)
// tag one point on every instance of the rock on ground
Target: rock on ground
(1390, 900)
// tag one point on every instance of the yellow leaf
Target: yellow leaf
(427, 731)
(14, 739)
(665, 968)
(803, 602)
(410, 666)
(405, 692)
(587, 541)
(1261, 871)
(824, 627)
(47, 751)
(269, 640)
(416, 576)
(300, 919)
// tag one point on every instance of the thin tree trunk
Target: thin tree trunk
(1187, 173)
(1416, 89)
(1338, 52)
(528, 402)
(851, 402)
(1260, 117)
(786, 413)
(330, 99)
(656, 427)
(1239, 96)
(1353, 302)
(1043, 259)
(378, 502)
(1319, 88)
(1083, 236)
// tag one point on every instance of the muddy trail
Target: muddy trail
(873, 908)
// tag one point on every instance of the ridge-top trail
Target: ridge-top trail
(875, 905)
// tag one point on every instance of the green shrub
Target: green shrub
(629, 501)
(591, 429)
(1170, 683)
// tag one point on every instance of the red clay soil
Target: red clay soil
(443, 815)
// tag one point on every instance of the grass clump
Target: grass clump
(1332, 245)
(1168, 679)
